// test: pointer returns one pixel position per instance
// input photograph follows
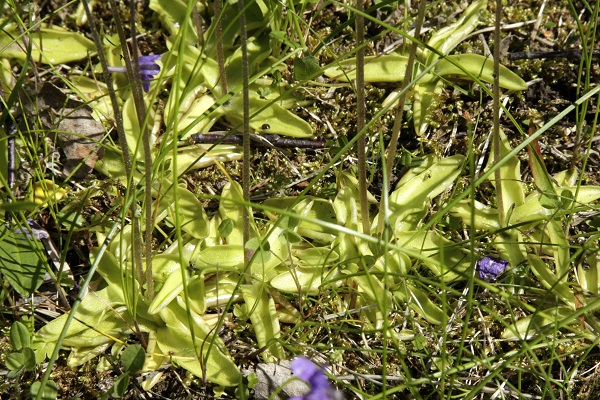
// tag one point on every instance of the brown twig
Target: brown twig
(272, 140)
(526, 55)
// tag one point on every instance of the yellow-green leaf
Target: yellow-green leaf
(448, 37)
(531, 325)
(552, 282)
(51, 45)
(176, 343)
(386, 68)
(261, 310)
(478, 66)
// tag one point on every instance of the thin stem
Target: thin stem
(393, 145)
(11, 132)
(11, 127)
(246, 131)
(198, 23)
(140, 107)
(360, 116)
(220, 56)
(585, 65)
(111, 91)
(496, 133)
(137, 243)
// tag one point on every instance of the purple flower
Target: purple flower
(490, 267)
(148, 68)
(320, 388)
(34, 231)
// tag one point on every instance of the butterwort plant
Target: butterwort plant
(433, 68)
(320, 388)
(148, 69)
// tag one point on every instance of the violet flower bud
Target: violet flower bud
(148, 69)
(490, 267)
(320, 388)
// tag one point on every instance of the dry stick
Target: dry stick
(140, 108)
(538, 21)
(496, 92)
(245, 134)
(270, 141)
(360, 116)
(530, 55)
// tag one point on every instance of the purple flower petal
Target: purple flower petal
(320, 388)
(148, 69)
(146, 82)
(149, 61)
(490, 267)
(35, 231)
(304, 368)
